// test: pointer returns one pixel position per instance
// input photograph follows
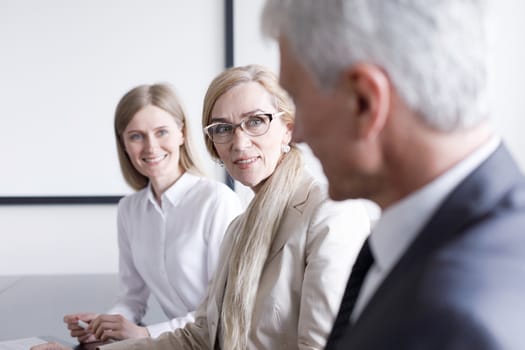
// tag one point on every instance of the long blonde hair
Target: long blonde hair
(261, 221)
(163, 97)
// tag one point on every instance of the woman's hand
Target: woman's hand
(82, 335)
(116, 327)
(50, 346)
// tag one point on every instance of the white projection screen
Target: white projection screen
(65, 64)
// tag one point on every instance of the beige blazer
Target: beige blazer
(301, 285)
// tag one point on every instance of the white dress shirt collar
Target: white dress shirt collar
(399, 224)
(175, 193)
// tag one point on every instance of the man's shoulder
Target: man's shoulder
(482, 261)
(465, 290)
(468, 294)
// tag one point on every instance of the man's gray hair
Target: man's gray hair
(432, 50)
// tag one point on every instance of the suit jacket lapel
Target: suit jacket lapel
(472, 199)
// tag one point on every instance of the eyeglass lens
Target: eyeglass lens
(255, 125)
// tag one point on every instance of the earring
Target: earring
(285, 148)
(219, 163)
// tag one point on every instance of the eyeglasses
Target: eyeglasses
(254, 125)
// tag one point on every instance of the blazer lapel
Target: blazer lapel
(297, 203)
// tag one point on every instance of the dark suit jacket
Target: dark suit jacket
(461, 283)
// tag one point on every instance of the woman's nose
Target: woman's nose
(241, 140)
(151, 143)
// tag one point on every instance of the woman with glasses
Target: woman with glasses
(170, 230)
(284, 263)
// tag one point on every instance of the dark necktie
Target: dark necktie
(359, 270)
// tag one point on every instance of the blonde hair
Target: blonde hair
(163, 97)
(261, 221)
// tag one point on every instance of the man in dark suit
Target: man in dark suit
(391, 97)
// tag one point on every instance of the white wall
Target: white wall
(64, 66)
(507, 74)
(58, 239)
(82, 239)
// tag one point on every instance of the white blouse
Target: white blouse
(171, 251)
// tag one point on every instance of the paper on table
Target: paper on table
(20, 344)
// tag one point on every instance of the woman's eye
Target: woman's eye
(222, 129)
(135, 137)
(162, 132)
(254, 122)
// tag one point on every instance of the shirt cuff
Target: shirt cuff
(157, 329)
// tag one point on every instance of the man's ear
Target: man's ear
(370, 101)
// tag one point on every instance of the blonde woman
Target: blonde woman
(169, 231)
(284, 262)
